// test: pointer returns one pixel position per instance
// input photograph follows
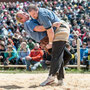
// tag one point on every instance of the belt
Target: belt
(63, 26)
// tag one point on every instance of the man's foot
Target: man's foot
(60, 82)
(48, 81)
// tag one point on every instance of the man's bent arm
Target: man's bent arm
(39, 29)
(42, 29)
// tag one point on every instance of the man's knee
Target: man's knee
(28, 58)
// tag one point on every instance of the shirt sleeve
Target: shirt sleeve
(30, 25)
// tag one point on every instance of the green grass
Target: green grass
(69, 70)
(20, 70)
(40, 70)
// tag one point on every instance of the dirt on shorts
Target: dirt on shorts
(31, 82)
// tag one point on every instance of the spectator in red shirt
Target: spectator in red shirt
(34, 58)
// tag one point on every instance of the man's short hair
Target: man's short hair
(32, 7)
(18, 18)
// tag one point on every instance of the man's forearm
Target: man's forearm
(50, 34)
(42, 29)
(39, 29)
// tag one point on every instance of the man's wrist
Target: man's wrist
(50, 42)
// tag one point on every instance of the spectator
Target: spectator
(16, 40)
(22, 53)
(10, 55)
(86, 58)
(46, 60)
(35, 57)
(2, 50)
(75, 12)
(85, 39)
(88, 43)
(72, 51)
(82, 51)
(31, 44)
(3, 31)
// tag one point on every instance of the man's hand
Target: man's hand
(48, 62)
(8, 60)
(50, 33)
(28, 58)
(49, 46)
(56, 24)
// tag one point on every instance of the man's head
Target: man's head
(22, 17)
(36, 46)
(33, 11)
(84, 45)
(9, 48)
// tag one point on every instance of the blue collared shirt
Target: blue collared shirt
(47, 17)
(29, 28)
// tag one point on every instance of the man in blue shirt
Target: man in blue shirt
(30, 26)
(57, 40)
(38, 32)
(82, 52)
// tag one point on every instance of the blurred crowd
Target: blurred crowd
(16, 46)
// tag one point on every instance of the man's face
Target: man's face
(84, 46)
(36, 46)
(9, 49)
(23, 17)
(34, 14)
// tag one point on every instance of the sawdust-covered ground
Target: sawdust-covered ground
(32, 81)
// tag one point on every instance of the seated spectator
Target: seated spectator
(84, 33)
(3, 31)
(2, 50)
(88, 42)
(10, 42)
(46, 60)
(35, 57)
(31, 44)
(82, 51)
(10, 55)
(77, 37)
(72, 51)
(85, 39)
(16, 40)
(22, 53)
(87, 58)
(20, 46)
